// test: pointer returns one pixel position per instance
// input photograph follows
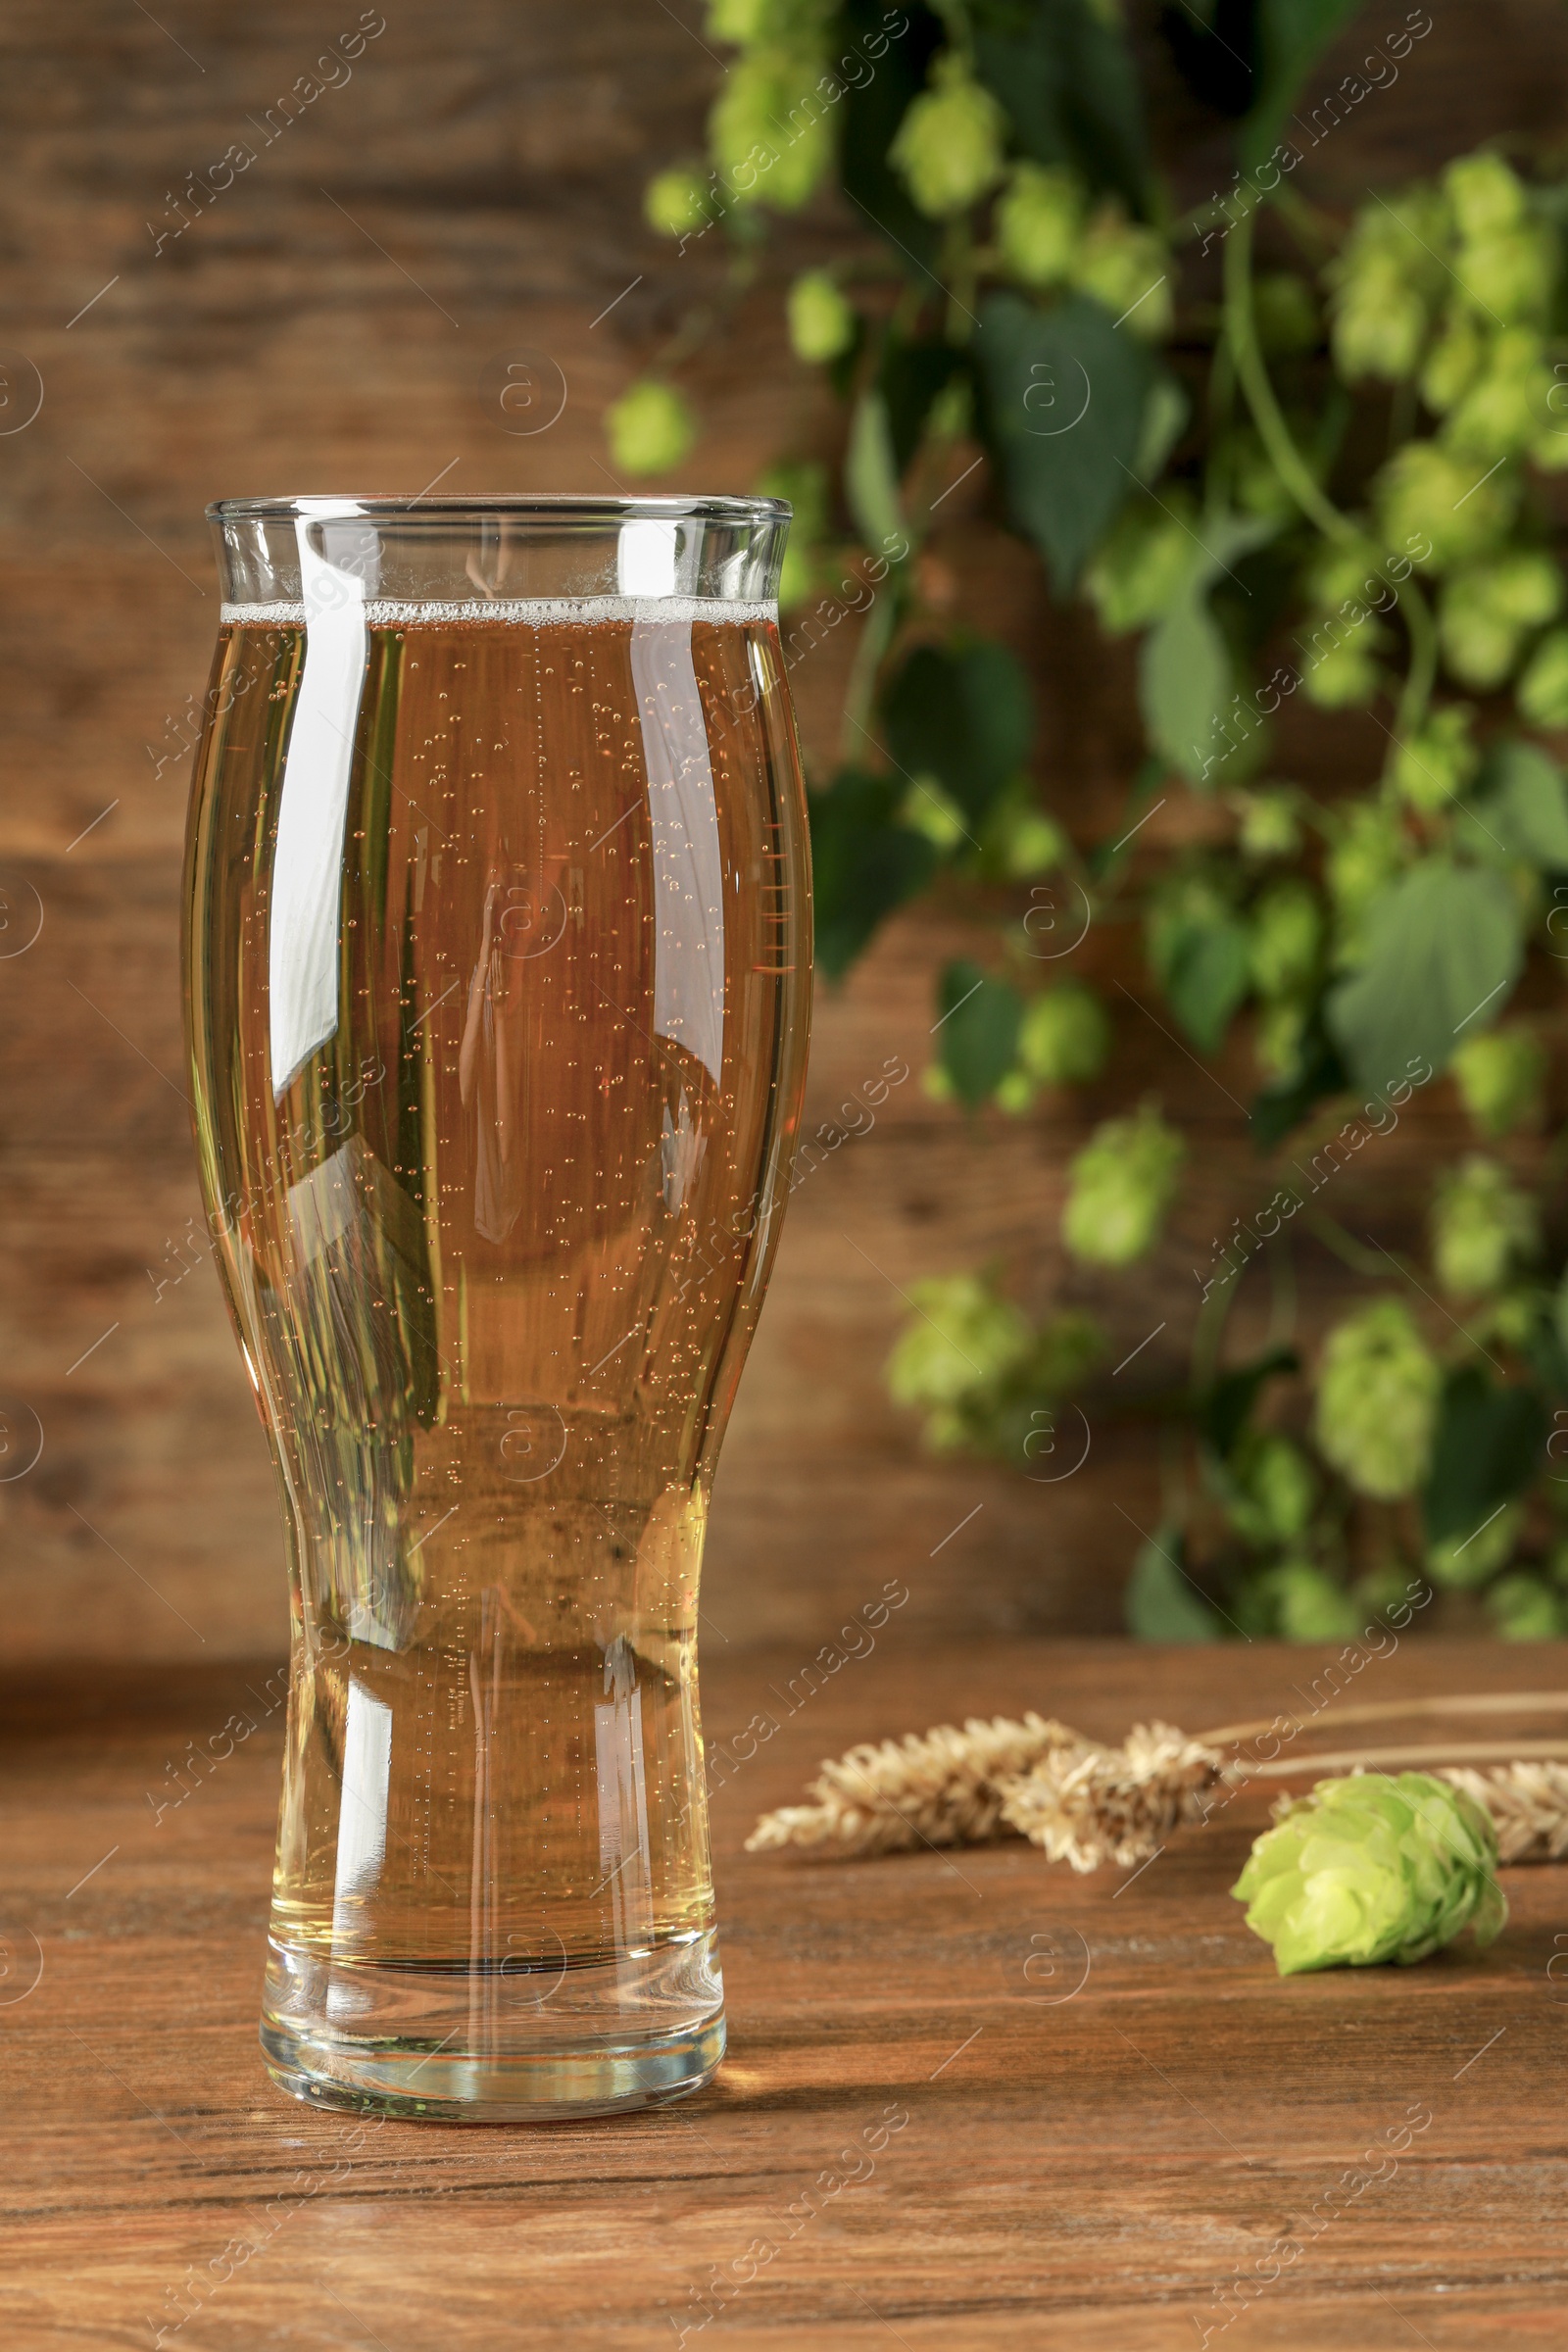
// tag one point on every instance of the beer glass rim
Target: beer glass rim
(547, 506)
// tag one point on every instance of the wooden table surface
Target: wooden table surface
(976, 2101)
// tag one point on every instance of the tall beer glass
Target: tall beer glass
(497, 966)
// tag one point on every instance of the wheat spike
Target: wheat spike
(1096, 1804)
(1528, 1802)
(942, 1788)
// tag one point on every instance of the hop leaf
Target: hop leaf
(949, 145)
(1122, 1183)
(822, 321)
(1377, 1401)
(1065, 1035)
(1543, 690)
(1481, 1227)
(1127, 268)
(1040, 219)
(1500, 1076)
(1371, 1869)
(651, 428)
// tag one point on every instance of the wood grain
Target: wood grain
(476, 187)
(1113, 2107)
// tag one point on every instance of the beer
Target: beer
(497, 1021)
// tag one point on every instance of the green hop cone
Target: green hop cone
(1500, 1077)
(1121, 1184)
(1269, 823)
(1286, 313)
(1028, 842)
(1525, 1608)
(1343, 674)
(1385, 285)
(1040, 217)
(1275, 1489)
(1127, 269)
(949, 147)
(1370, 1869)
(1142, 565)
(1287, 932)
(1436, 764)
(651, 428)
(1487, 610)
(959, 1344)
(1014, 1094)
(1543, 689)
(1504, 405)
(822, 321)
(1065, 1035)
(1455, 358)
(1483, 1227)
(1368, 849)
(746, 23)
(675, 203)
(1377, 1401)
(1462, 1563)
(1280, 1038)
(1299, 1601)
(768, 132)
(926, 809)
(1487, 197)
(1441, 505)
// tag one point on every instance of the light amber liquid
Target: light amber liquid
(497, 1250)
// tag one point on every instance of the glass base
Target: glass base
(459, 2044)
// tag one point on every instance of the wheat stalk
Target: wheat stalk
(1087, 1803)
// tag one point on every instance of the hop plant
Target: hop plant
(1121, 1184)
(769, 133)
(1543, 689)
(960, 1344)
(804, 483)
(1065, 1035)
(1435, 766)
(1039, 221)
(1286, 313)
(1377, 1401)
(1370, 1869)
(1141, 564)
(1501, 1075)
(1481, 1227)
(674, 202)
(1287, 931)
(949, 147)
(1487, 609)
(821, 322)
(1025, 841)
(1442, 500)
(651, 428)
(1343, 675)
(1487, 197)
(1127, 268)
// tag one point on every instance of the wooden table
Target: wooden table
(976, 2101)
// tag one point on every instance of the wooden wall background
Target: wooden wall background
(323, 326)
